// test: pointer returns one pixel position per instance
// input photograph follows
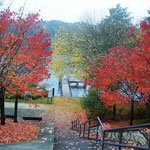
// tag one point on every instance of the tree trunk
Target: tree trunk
(132, 112)
(85, 84)
(149, 112)
(16, 108)
(149, 107)
(114, 112)
(2, 107)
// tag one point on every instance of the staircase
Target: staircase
(131, 137)
(69, 140)
(92, 135)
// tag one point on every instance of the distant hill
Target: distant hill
(53, 26)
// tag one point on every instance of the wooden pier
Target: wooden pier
(65, 89)
(65, 86)
(78, 83)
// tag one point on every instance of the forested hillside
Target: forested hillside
(54, 25)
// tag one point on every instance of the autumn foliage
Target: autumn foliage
(19, 132)
(123, 74)
(24, 53)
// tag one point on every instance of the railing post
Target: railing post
(103, 140)
(120, 140)
(148, 140)
(97, 131)
(76, 124)
(89, 129)
(72, 125)
(79, 130)
(84, 130)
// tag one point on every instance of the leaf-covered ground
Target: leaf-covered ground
(16, 132)
(63, 111)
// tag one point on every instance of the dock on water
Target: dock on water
(65, 88)
(67, 84)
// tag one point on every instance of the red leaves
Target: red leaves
(16, 132)
(24, 53)
(124, 73)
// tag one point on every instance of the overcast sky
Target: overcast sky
(72, 10)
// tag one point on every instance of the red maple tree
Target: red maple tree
(24, 54)
(123, 75)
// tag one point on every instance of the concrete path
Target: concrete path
(23, 106)
(24, 110)
(65, 88)
(45, 141)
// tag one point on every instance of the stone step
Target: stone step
(69, 140)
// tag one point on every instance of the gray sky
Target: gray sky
(72, 10)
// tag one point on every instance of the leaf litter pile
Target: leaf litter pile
(20, 131)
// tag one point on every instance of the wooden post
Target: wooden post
(53, 93)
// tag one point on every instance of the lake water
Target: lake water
(53, 82)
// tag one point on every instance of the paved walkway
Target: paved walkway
(45, 141)
(23, 106)
(24, 110)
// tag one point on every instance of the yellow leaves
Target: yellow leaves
(67, 58)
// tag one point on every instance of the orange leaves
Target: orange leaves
(25, 52)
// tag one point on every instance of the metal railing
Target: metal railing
(76, 124)
(135, 137)
(92, 129)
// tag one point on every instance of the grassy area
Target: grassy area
(40, 101)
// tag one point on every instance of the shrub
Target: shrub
(92, 103)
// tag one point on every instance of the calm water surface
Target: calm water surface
(53, 82)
